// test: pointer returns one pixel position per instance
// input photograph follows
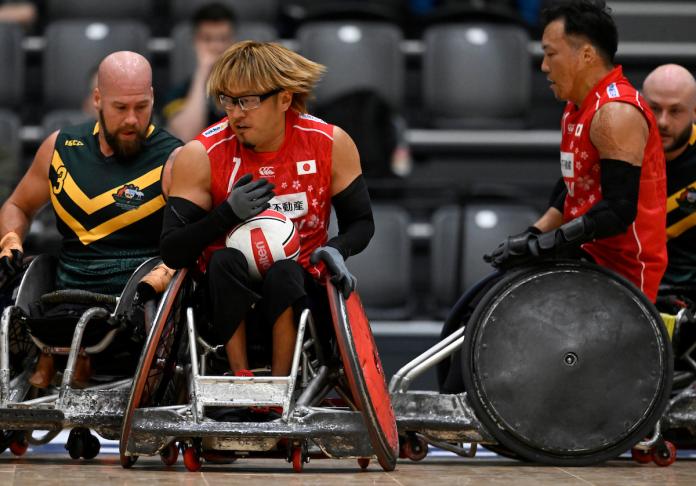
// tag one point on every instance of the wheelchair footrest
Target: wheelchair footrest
(236, 391)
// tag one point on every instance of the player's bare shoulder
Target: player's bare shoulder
(620, 131)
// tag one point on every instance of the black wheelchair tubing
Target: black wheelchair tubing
(507, 439)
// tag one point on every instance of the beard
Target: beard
(680, 140)
(123, 149)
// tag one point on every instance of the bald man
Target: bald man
(106, 182)
(670, 90)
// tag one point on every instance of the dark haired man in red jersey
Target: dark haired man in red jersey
(610, 202)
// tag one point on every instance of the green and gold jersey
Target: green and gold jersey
(109, 211)
(681, 217)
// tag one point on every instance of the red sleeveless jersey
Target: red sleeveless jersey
(300, 170)
(639, 254)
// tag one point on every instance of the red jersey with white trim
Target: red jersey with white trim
(300, 170)
(639, 254)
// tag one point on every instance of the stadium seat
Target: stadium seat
(301, 11)
(383, 269)
(358, 55)
(182, 58)
(476, 75)
(73, 51)
(10, 152)
(89, 9)
(58, 119)
(655, 21)
(461, 236)
(244, 10)
(11, 65)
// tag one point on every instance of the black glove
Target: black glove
(10, 267)
(514, 248)
(341, 277)
(532, 245)
(249, 198)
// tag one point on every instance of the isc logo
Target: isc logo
(73, 143)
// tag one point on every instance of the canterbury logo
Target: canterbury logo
(267, 171)
(73, 143)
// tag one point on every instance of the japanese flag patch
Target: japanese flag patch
(305, 167)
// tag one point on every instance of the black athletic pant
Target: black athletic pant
(234, 297)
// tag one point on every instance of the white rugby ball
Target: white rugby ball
(264, 239)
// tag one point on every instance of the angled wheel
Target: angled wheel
(541, 344)
(19, 444)
(192, 459)
(415, 448)
(641, 456)
(169, 454)
(297, 460)
(153, 383)
(128, 462)
(363, 369)
(665, 454)
(91, 448)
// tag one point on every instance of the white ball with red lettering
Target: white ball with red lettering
(264, 239)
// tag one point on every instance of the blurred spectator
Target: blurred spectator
(20, 12)
(187, 109)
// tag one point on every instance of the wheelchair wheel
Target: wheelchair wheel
(566, 363)
(364, 373)
(153, 383)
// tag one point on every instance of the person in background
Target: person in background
(18, 12)
(609, 205)
(670, 91)
(187, 109)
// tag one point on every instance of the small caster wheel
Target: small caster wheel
(402, 446)
(192, 459)
(127, 462)
(19, 444)
(75, 444)
(665, 454)
(297, 460)
(5, 439)
(169, 454)
(641, 456)
(90, 447)
(416, 448)
(363, 462)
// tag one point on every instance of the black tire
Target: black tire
(91, 447)
(561, 382)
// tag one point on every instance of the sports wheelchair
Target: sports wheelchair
(562, 363)
(102, 326)
(678, 303)
(334, 402)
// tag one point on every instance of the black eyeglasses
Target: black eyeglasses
(247, 102)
